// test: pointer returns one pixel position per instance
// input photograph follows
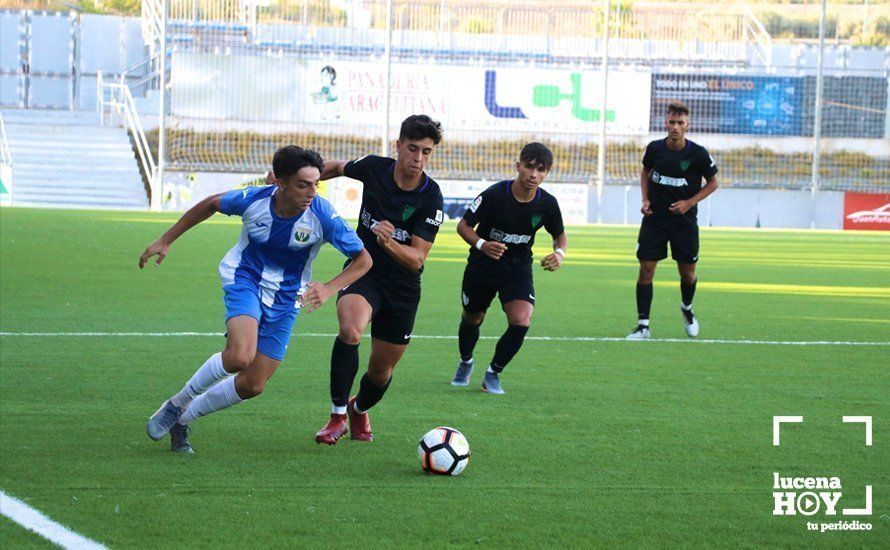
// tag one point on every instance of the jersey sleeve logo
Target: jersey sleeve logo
(712, 160)
(437, 221)
(476, 203)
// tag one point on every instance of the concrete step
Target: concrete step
(29, 153)
(24, 196)
(80, 205)
(83, 170)
(67, 141)
(49, 116)
(77, 186)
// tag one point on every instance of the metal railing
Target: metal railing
(116, 99)
(5, 158)
(757, 35)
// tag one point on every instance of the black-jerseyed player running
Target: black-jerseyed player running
(508, 214)
(400, 215)
(671, 182)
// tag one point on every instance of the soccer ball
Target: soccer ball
(444, 451)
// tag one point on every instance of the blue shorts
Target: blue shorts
(275, 323)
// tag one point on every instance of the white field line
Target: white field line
(32, 520)
(454, 337)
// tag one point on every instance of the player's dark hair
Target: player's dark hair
(677, 107)
(417, 127)
(290, 159)
(332, 71)
(537, 153)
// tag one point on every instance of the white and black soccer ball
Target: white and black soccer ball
(444, 451)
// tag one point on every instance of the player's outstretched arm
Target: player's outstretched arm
(552, 261)
(332, 169)
(492, 249)
(193, 216)
(318, 294)
(681, 207)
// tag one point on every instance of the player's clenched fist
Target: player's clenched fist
(494, 249)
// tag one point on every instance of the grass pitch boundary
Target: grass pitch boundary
(33, 520)
(454, 337)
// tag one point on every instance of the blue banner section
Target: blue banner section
(760, 105)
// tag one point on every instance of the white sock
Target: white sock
(684, 307)
(204, 378)
(491, 370)
(220, 396)
(338, 410)
(467, 362)
(643, 322)
(356, 409)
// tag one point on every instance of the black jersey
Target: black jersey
(675, 176)
(413, 213)
(504, 219)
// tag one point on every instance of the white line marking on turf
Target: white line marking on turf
(32, 520)
(451, 337)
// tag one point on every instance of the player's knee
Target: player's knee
(474, 318)
(522, 320)
(235, 360)
(350, 335)
(646, 276)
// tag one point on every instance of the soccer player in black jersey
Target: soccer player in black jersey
(506, 217)
(400, 215)
(671, 182)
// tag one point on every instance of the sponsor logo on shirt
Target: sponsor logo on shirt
(406, 213)
(440, 217)
(509, 238)
(684, 164)
(536, 220)
(475, 204)
(398, 234)
(667, 180)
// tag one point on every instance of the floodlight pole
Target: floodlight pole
(817, 124)
(158, 190)
(601, 156)
(384, 142)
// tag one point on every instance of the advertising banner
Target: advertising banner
(477, 99)
(867, 211)
(346, 196)
(761, 105)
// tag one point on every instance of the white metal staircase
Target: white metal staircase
(66, 159)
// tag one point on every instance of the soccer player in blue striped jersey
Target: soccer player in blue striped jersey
(266, 281)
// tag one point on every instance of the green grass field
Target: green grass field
(596, 443)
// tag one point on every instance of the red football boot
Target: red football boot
(359, 424)
(333, 430)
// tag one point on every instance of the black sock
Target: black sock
(369, 393)
(508, 345)
(688, 292)
(344, 367)
(467, 336)
(644, 301)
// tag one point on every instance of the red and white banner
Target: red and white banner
(867, 211)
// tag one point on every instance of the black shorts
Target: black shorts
(480, 285)
(392, 312)
(655, 234)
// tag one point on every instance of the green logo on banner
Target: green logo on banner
(536, 220)
(684, 164)
(406, 213)
(547, 95)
